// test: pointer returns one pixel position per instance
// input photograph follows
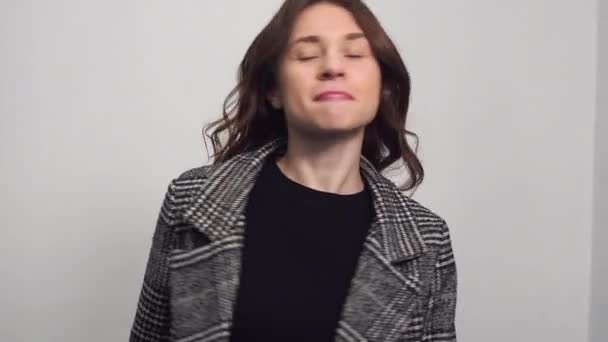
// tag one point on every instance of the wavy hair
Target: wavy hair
(250, 120)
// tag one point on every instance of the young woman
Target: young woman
(293, 233)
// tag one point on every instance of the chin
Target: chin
(335, 130)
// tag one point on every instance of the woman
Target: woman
(292, 234)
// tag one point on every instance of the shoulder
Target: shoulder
(431, 226)
(435, 233)
(181, 192)
(188, 180)
(199, 172)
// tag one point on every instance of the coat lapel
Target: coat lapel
(386, 283)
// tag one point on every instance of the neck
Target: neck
(329, 165)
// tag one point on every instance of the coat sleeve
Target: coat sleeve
(440, 317)
(152, 318)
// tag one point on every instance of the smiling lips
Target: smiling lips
(333, 95)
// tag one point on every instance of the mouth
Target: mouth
(334, 95)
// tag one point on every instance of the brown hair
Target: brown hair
(252, 121)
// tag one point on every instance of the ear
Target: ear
(274, 99)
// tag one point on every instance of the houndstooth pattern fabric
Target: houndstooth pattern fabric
(404, 288)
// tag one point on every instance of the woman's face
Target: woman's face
(327, 52)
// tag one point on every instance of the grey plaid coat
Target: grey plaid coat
(404, 287)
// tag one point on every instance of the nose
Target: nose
(332, 66)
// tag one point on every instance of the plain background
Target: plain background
(599, 297)
(102, 103)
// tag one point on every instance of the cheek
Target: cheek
(373, 77)
(370, 81)
(290, 85)
(297, 89)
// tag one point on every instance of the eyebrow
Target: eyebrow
(316, 39)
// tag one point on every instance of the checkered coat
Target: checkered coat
(404, 287)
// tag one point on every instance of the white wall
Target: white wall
(102, 103)
(599, 297)
(504, 99)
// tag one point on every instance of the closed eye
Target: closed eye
(313, 57)
(307, 58)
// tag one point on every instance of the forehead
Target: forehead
(325, 22)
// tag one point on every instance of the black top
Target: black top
(300, 252)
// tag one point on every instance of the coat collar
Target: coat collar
(218, 208)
